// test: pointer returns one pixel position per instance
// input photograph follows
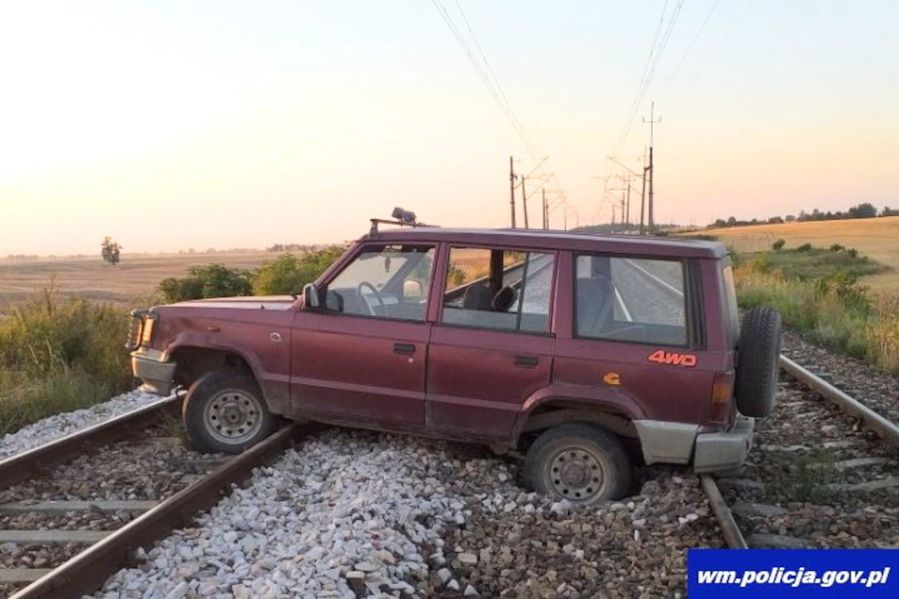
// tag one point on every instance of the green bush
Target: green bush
(58, 355)
(214, 280)
(834, 311)
(289, 272)
(836, 247)
(805, 247)
(819, 262)
(777, 245)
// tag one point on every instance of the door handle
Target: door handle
(404, 348)
(526, 361)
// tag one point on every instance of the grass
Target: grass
(877, 238)
(817, 263)
(59, 354)
(808, 478)
(832, 309)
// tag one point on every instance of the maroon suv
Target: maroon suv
(586, 352)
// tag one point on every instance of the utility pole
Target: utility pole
(627, 210)
(643, 201)
(625, 193)
(545, 211)
(628, 178)
(625, 198)
(512, 188)
(652, 121)
(524, 202)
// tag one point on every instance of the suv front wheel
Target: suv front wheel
(580, 462)
(225, 413)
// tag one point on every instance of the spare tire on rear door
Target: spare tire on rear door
(758, 350)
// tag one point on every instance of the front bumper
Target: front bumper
(723, 451)
(150, 366)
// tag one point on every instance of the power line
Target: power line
(478, 60)
(692, 43)
(655, 55)
(715, 53)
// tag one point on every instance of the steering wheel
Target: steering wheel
(377, 295)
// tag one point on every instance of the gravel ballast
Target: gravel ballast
(59, 425)
(871, 386)
(353, 513)
(815, 477)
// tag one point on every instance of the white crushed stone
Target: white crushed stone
(59, 425)
(339, 510)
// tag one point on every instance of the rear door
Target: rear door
(362, 359)
(491, 347)
(637, 332)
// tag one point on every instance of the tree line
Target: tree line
(863, 210)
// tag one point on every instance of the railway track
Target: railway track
(74, 511)
(823, 473)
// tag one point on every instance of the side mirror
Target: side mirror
(310, 297)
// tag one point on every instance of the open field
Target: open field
(130, 282)
(877, 238)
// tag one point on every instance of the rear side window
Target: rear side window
(498, 289)
(730, 298)
(630, 299)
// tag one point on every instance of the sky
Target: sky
(176, 125)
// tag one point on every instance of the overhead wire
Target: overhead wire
(714, 53)
(657, 50)
(488, 77)
(689, 48)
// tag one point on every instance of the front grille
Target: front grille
(135, 329)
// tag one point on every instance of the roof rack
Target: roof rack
(404, 218)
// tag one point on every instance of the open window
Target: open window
(384, 281)
(498, 289)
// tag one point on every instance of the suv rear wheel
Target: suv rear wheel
(580, 462)
(225, 413)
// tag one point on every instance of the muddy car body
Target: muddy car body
(575, 349)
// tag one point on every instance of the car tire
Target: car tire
(580, 462)
(225, 412)
(758, 351)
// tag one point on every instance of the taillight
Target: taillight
(722, 392)
(147, 331)
(138, 332)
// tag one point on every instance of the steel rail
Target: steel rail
(729, 529)
(885, 428)
(33, 461)
(89, 570)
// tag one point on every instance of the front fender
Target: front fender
(275, 386)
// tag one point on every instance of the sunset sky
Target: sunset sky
(171, 125)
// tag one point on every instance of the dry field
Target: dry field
(128, 284)
(874, 237)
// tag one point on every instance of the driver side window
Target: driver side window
(384, 281)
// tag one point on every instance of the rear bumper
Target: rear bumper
(723, 451)
(153, 370)
(680, 443)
